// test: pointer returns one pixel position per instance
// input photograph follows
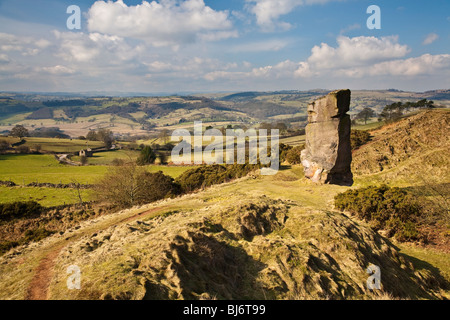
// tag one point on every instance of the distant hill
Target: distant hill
(76, 115)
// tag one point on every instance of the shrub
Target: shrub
(147, 156)
(36, 235)
(23, 149)
(19, 209)
(118, 162)
(293, 155)
(392, 209)
(5, 246)
(4, 145)
(358, 138)
(207, 175)
(284, 149)
(83, 160)
(155, 186)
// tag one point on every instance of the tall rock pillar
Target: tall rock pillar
(327, 155)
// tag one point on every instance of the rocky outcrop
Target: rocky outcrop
(327, 156)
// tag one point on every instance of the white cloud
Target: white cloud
(353, 58)
(268, 12)
(426, 64)
(356, 51)
(218, 35)
(58, 70)
(167, 22)
(283, 70)
(4, 59)
(104, 49)
(27, 46)
(429, 39)
(261, 46)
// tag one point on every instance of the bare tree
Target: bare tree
(164, 135)
(129, 185)
(78, 193)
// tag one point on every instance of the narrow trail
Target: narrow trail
(38, 288)
(43, 273)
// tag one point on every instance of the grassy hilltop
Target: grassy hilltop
(258, 237)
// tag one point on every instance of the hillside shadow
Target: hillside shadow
(215, 269)
(438, 281)
(284, 167)
(430, 275)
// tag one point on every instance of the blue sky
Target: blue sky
(216, 45)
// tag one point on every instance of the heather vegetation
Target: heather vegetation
(19, 209)
(358, 138)
(292, 155)
(392, 209)
(208, 175)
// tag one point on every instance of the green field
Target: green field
(47, 197)
(27, 168)
(106, 158)
(55, 144)
(24, 169)
(294, 141)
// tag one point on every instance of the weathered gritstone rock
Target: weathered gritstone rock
(327, 156)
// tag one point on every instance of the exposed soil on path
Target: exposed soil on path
(43, 273)
(38, 287)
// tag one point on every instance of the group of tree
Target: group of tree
(395, 111)
(4, 145)
(20, 132)
(148, 156)
(104, 135)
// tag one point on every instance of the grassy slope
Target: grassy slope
(312, 251)
(315, 253)
(301, 249)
